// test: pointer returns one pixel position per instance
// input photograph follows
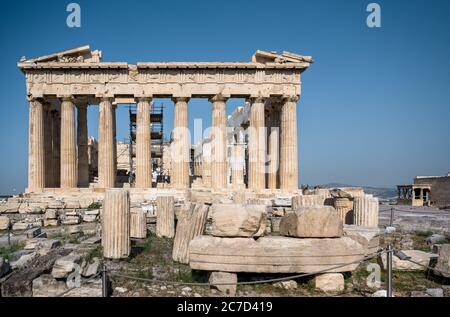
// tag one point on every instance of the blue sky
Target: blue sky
(375, 105)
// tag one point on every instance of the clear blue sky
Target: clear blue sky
(375, 107)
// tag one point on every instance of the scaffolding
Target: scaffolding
(157, 138)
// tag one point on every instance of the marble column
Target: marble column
(82, 141)
(273, 148)
(288, 145)
(106, 158)
(116, 241)
(69, 174)
(143, 144)
(36, 146)
(238, 161)
(180, 150)
(48, 140)
(256, 145)
(56, 149)
(219, 143)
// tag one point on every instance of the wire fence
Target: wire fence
(106, 274)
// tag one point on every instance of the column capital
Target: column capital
(106, 99)
(143, 98)
(66, 98)
(180, 99)
(32, 98)
(257, 99)
(219, 98)
(290, 98)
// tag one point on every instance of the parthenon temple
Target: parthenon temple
(255, 148)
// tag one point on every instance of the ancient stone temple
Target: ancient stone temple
(60, 87)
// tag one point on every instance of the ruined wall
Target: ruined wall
(440, 189)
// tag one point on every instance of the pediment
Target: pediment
(82, 54)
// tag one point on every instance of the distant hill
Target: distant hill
(380, 192)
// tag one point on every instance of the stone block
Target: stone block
(51, 222)
(329, 282)
(66, 265)
(94, 212)
(89, 218)
(236, 220)
(443, 262)
(307, 201)
(369, 237)
(312, 222)
(218, 280)
(51, 214)
(274, 254)
(404, 265)
(21, 226)
(4, 222)
(286, 285)
(90, 269)
(47, 286)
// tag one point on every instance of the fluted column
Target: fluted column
(180, 147)
(366, 211)
(143, 144)
(69, 174)
(219, 143)
(273, 149)
(36, 146)
(56, 149)
(238, 161)
(288, 145)
(106, 158)
(116, 224)
(82, 141)
(256, 145)
(48, 140)
(165, 216)
(138, 224)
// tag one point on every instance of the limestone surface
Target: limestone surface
(274, 254)
(312, 222)
(443, 262)
(329, 282)
(236, 220)
(227, 280)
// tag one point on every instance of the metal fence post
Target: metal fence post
(105, 292)
(389, 254)
(392, 217)
(9, 235)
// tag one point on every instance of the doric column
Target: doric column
(116, 241)
(69, 174)
(288, 144)
(106, 159)
(256, 145)
(273, 148)
(36, 147)
(238, 161)
(48, 140)
(82, 141)
(143, 144)
(180, 149)
(56, 149)
(219, 143)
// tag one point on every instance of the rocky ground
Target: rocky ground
(42, 262)
(152, 260)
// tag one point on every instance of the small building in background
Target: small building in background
(426, 191)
